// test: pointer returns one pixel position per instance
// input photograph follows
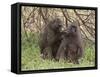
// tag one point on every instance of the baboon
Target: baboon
(50, 38)
(71, 45)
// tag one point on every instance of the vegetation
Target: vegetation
(33, 21)
(31, 59)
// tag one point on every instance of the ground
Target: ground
(31, 60)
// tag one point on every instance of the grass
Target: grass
(31, 60)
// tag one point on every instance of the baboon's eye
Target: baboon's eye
(59, 26)
(73, 29)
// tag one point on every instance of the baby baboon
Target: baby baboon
(71, 45)
(51, 36)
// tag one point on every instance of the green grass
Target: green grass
(31, 60)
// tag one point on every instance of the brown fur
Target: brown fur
(71, 45)
(50, 38)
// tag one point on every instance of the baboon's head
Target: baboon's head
(73, 28)
(56, 25)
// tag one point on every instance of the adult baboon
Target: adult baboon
(50, 38)
(71, 45)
